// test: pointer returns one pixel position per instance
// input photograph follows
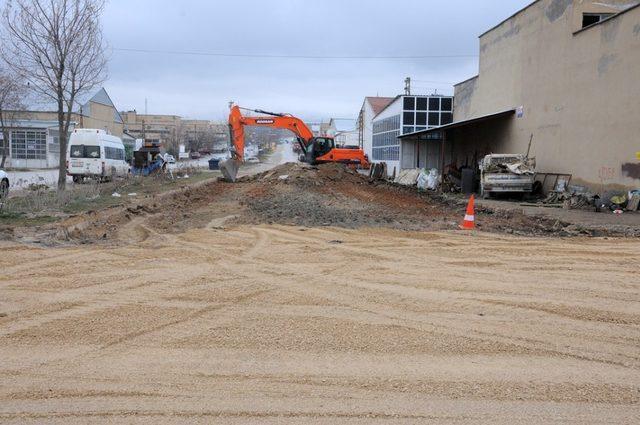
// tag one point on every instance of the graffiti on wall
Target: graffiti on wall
(606, 174)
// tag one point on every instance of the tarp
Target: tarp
(408, 177)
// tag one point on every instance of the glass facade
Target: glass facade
(386, 146)
(425, 112)
(29, 144)
(418, 113)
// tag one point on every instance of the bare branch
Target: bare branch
(57, 47)
(12, 93)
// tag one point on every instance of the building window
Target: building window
(391, 153)
(29, 144)
(386, 146)
(409, 103)
(429, 112)
(408, 118)
(593, 18)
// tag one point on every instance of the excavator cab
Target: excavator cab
(315, 147)
(319, 146)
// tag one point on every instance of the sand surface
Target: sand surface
(284, 324)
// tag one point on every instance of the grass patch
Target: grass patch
(42, 205)
(23, 220)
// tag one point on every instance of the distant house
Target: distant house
(346, 132)
(34, 136)
(371, 107)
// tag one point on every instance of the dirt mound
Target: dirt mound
(298, 195)
(308, 175)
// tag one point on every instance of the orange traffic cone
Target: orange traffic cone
(469, 222)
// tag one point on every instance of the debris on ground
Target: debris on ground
(634, 201)
(571, 200)
(328, 195)
(408, 177)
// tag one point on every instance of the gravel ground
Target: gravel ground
(273, 324)
(315, 296)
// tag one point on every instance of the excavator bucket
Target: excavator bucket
(229, 168)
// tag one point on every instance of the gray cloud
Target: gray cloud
(201, 86)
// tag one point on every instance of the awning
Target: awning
(458, 124)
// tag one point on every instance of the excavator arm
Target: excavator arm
(317, 150)
(237, 122)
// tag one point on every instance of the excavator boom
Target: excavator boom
(325, 150)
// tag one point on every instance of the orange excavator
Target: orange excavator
(315, 150)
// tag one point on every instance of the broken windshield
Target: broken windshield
(83, 151)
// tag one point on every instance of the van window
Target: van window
(114, 153)
(83, 151)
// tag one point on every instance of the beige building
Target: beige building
(34, 136)
(565, 72)
(172, 129)
(142, 126)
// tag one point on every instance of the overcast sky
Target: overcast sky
(199, 86)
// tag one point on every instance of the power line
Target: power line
(432, 82)
(269, 56)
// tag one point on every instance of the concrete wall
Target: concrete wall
(577, 87)
(102, 117)
(422, 154)
(367, 131)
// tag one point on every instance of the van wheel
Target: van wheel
(77, 179)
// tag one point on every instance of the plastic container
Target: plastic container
(214, 164)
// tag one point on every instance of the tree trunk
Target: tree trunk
(5, 146)
(62, 136)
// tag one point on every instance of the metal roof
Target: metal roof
(457, 124)
(378, 103)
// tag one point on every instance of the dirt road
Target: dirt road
(275, 324)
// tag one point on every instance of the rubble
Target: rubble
(329, 195)
(408, 177)
(572, 200)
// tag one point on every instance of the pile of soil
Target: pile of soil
(304, 175)
(334, 195)
(298, 195)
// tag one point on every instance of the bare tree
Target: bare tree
(203, 139)
(12, 93)
(174, 140)
(57, 47)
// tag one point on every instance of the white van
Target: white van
(95, 154)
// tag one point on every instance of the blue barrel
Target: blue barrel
(214, 164)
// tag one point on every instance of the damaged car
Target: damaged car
(507, 173)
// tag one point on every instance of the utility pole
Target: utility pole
(407, 86)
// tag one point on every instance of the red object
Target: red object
(469, 222)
